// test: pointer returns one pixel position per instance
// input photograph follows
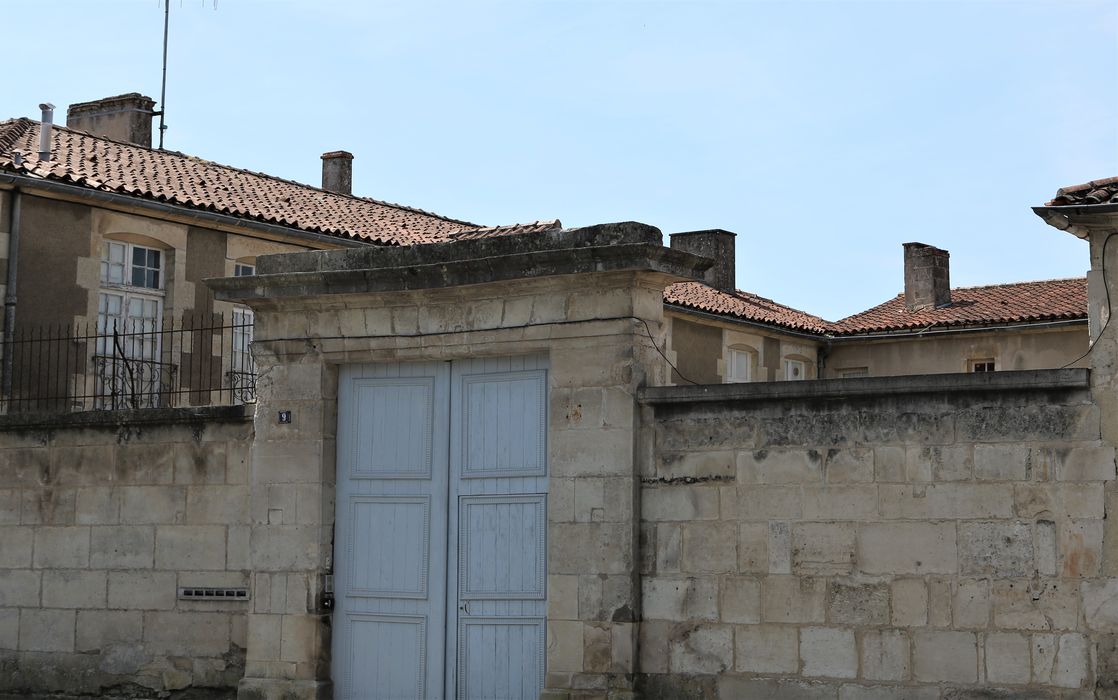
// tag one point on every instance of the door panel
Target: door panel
(388, 655)
(441, 532)
(390, 533)
(496, 653)
(501, 547)
(498, 468)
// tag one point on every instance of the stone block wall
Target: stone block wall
(896, 541)
(102, 520)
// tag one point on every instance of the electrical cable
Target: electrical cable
(1109, 312)
(647, 330)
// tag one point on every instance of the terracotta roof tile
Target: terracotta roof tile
(176, 178)
(742, 305)
(510, 230)
(1046, 300)
(1094, 192)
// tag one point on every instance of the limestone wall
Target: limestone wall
(100, 525)
(848, 538)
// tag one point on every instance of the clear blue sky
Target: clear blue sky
(825, 134)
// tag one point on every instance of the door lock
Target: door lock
(465, 607)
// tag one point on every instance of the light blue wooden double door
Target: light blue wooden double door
(440, 538)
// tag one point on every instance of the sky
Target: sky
(825, 134)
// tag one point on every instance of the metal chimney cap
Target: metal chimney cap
(45, 106)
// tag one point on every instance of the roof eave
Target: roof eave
(101, 197)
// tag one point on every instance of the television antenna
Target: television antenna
(163, 87)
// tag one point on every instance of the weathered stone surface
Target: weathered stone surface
(753, 547)
(679, 599)
(1100, 604)
(710, 547)
(907, 548)
(702, 649)
(680, 503)
(766, 649)
(98, 629)
(46, 630)
(828, 652)
(885, 655)
(1060, 660)
(852, 601)
(780, 466)
(997, 549)
(945, 656)
(823, 548)
(852, 464)
(971, 603)
(1001, 462)
(1007, 658)
(737, 688)
(793, 599)
(1035, 604)
(74, 589)
(910, 602)
(741, 600)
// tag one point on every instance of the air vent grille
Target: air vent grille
(210, 593)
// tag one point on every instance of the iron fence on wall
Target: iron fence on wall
(195, 360)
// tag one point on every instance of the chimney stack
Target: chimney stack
(46, 126)
(337, 172)
(716, 244)
(121, 118)
(927, 278)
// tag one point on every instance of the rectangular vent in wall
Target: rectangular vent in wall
(207, 593)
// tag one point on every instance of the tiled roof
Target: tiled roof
(742, 305)
(511, 230)
(1094, 192)
(168, 176)
(1047, 300)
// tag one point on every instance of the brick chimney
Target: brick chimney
(927, 278)
(121, 118)
(716, 244)
(337, 172)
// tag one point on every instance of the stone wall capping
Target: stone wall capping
(993, 382)
(627, 246)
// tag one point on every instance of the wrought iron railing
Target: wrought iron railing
(196, 360)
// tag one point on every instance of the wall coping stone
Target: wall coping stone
(1024, 380)
(626, 246)
(131, 417)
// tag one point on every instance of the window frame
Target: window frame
(731, 376)
(982, 365)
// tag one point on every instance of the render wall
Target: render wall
(912, 541)
(101, 522)
(935, 354)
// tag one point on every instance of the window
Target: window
(243, 270)
(794, 370)
(129, 309)
(739, 365)
(131, 297)
(851, 372)
(986, 364)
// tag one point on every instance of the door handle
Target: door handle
(465, 607)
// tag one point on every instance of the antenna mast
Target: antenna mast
(163, 90)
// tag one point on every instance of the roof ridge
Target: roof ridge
(1018, 284)
(256, 173)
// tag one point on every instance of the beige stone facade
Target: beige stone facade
(103, 524)
(921, 537)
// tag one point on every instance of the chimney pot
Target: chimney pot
(927, 277)
(46, 126)
(716, 244)
(337, 172)
(121, 118)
